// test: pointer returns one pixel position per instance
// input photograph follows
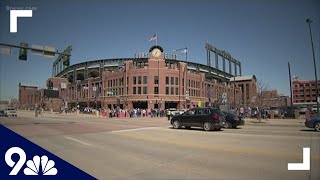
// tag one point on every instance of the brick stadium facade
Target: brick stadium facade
(304, 92)
(153, 80)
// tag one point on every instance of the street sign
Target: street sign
(224, 98)
(5, 50)
(187, 95)
(63, 86)
(49, 51)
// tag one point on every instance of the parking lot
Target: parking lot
(148, 148)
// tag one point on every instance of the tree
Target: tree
(262, 88)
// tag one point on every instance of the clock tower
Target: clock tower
(156, 52)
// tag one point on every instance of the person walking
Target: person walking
(169, 114)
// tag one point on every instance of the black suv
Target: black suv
(206, 118)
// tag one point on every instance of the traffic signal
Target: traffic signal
(66, 60)
(23, 52)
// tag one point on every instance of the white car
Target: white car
(10, 112)
(314, 108)
(174, 111)
(303, 109)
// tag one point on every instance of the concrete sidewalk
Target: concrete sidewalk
(274, 122)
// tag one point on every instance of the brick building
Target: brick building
(151, 80)
(31, 97)
(304, 91)
(248, 87)
(27, 96)
(271, 98)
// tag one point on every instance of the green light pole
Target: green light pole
(309, 21)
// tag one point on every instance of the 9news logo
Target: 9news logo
(33, 166)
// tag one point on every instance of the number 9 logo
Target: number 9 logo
(16, 165)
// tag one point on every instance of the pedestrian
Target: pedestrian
(169, 114)
(241, 111)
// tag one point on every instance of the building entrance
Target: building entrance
(140, 104)
(171, 104)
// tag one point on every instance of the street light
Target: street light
(185, 50)
(309, 21)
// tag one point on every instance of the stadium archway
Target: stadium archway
(80, 76)
(140, 104)
(70, 78)
(93, 74)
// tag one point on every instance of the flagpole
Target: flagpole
(156, 38)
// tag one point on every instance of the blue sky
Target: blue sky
(263, 35)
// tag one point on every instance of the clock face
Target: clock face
(156, 52)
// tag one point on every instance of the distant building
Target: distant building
(248, 87)
(31, 97)
(271, 98)
(27, 96)
(304, 91)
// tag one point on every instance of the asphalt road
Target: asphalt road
(148, 148)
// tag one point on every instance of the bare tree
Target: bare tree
(262, 88)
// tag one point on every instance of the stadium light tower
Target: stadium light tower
(309, 21)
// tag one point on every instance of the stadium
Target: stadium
(152, 80)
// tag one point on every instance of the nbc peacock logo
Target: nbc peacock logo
(36, 166)
(47, 166)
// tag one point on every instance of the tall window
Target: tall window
(177, 91)
(134, 90)
(156, 80)
(167, 90)
(156, 90)
(145, 80)
(139, 90)
(139, 79)
(177, 82)
(172, 81)
(167, 80)
(172, 91)
(145, 90)
(134, 80)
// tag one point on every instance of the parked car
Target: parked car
(313, 122)
(303, 109)
(174, 111)
(232, 120)
(10, 112)
(206, 118)
(314, 108)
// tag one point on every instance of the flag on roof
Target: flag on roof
(153, 38)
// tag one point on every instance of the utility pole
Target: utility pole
(290, 88)
(309, 21)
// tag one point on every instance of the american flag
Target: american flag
(153, 38)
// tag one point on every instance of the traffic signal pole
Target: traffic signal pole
(34, 49)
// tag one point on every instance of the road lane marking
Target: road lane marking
(77, 140)
(134, 129)
(231, 149)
